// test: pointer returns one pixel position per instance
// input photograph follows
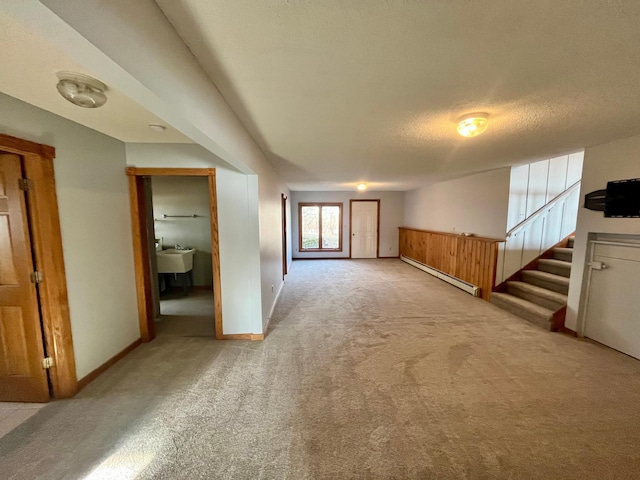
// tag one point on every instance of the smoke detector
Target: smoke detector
(81, 90)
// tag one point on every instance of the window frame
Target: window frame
(320, 205)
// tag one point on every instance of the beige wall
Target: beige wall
(612, 161)
(474, 204)
(95, 220)
(391, 214)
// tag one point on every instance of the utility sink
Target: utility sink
(175, 261)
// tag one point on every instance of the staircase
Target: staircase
(540, 295)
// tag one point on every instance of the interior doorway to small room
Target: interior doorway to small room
(181, 268)
(177, 258)
(364, 241)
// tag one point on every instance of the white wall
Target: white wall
(239, 236)
(534, 185)
(474, 204)
(531, 187)
(95, 220)
(612, 161)
(164, 77)
(270, 189)
(391, 217)
(185, 196)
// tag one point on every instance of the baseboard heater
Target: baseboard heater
(456, 282)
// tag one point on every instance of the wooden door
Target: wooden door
(22, 377)
(364, 229)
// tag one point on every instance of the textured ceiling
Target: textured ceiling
(28, 72)
(337, 92)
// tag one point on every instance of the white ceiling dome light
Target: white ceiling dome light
(81, 90)
(473, 124)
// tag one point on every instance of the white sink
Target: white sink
(175, 261)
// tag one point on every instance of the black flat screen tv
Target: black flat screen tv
(623, 199)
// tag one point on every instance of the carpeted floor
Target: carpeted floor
(371, 370)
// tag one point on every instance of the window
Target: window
(320, 227)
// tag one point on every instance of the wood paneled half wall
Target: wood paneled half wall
(472, 259)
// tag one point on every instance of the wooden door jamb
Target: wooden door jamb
(46, 241)
(141, 245)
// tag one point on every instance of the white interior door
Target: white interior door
(364, 229)
(613, 308)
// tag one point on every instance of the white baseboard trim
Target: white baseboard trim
(273, 307)
(456, 282)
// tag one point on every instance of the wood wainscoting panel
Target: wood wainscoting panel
(472, 259)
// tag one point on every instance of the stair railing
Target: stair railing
(512, 256)
(547, 207)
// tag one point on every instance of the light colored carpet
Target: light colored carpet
(371, 370)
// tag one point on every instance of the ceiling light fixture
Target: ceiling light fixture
(156, 127)
(362, 187)
(473, 124)
(81, 90)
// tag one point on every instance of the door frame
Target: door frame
(141, 244)
(351, 222)
(46, 242)
(284, 234)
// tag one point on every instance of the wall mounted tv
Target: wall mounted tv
(622, 199)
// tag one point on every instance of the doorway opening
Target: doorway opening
(170, 268)
(181, 267)
(364, 241)
(37, 359)
(284, 234)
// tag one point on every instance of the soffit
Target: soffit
(28, 72)
(339, 92)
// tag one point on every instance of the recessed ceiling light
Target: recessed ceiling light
(362, 187)
(156, 127)
(473, 124)
(81, 90)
